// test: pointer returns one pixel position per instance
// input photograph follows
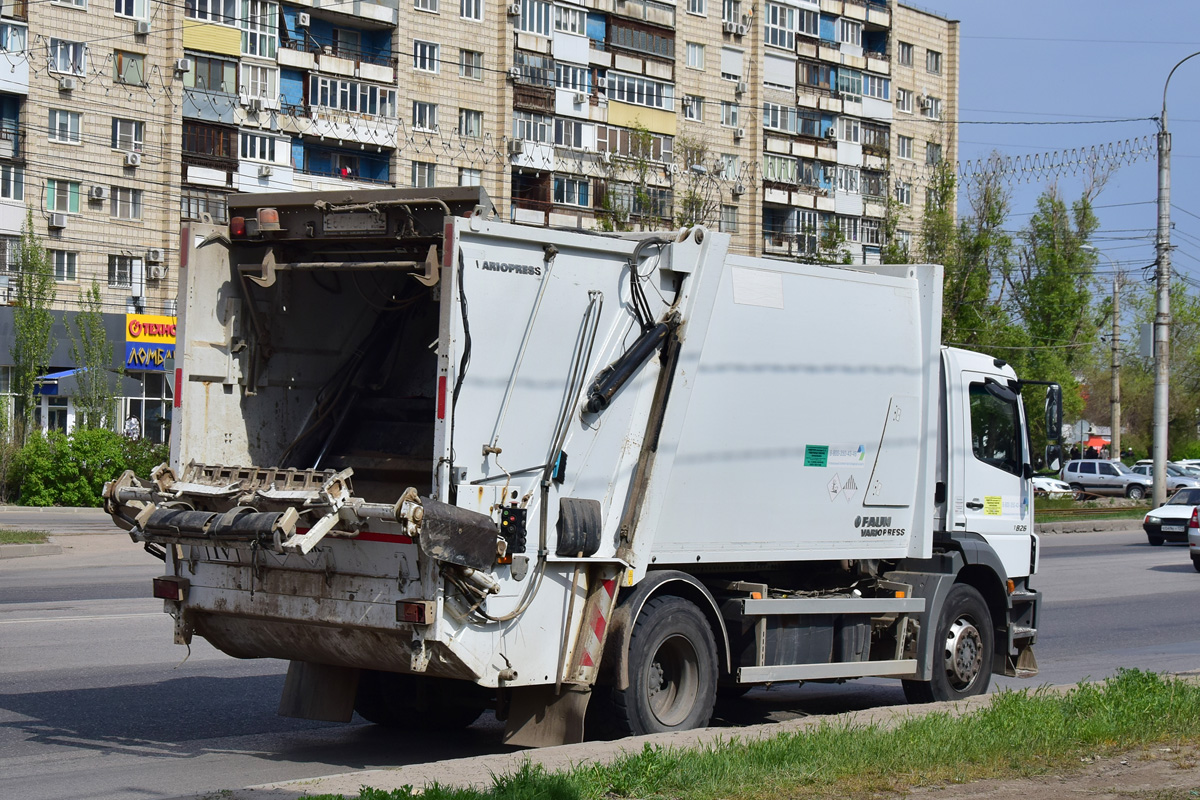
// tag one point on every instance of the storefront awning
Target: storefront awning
(66, 384)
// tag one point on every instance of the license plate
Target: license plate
(356, 222)
(1172, 528)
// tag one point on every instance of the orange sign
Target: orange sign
(148, 329)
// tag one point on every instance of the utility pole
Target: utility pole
(1115, 394)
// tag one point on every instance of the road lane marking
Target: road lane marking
(80, 619)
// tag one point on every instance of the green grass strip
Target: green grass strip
(23, 537)
(1020, 734)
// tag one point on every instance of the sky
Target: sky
(1081, 65)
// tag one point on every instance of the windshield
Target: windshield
(1185, 497)
(1175, 472)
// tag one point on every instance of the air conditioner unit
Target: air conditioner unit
(742, 30)
(687, 102)
(254, 104)
(514, 73)
(183, 65)
(741, 87)
(98, 193)
(673, 169)
(133, 159)
(831, 133)
(606, 158)
(66, 84)
(731, 27)
(154, 255)
(264, 171)
(740, 133)
(303, 19)
(580, 98)
(156, 272)
(141, 28)
(739, 188)
(514, 9)
(57, 221)
(516, 147)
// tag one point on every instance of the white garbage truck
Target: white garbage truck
(442, 463)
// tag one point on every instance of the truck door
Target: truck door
(992, 496)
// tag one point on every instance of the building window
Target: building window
(12, 182)
(424, 175)
(212, 10)
(62, 196)
(424, 116)
(470, 9)
(904, 193)
(849, 32)
(849, 226)
(695, 55)
(693, 107)
(572, 191)
(850, 130)
(779, 26)
(535, 17)
(904, 239)
(810, 23)
(933, 62)
(211, 74)
(532, 127)
(904, 147)
(780, 169)
(469, 177)
(696, 7)
(130, 8)
(361, 98)
(874, 184)
(259, 21)
(933, 153)
(877, 87)
(68, 57)
(641, 91)
(729, 169)
(572, 78)
(729, 219)
(121, 270)
(209, 141)
(470, 123)
(129, 68)
(259, 81)
(127, 135)
(570, 20)
(426, 56)
(65, 126)
(195, 203)
(876, 136)
(624, 142)
(65, 263)
(904, 100)
(426, 5)
(731, 11)
(256, 147)
(932, 108)
(729, 114)
(126, 203)
(904, 54)
(568, 133)
(12, 38)
(470, 64)
(850, 84)
(847, 179)
(779, 118)
(871, 232)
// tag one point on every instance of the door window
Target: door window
(995, 429)
(1107, 469)
(1087, 469)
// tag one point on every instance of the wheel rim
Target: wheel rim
(673, 681)
(964, 653)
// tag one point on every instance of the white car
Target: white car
(1172, 522)
(1049, 486)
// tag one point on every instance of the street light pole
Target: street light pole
(1162, 314)
(1114, 401)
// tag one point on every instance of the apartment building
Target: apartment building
(772, 120)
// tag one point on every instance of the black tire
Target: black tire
(672, 670)
(418, 702)
(1135, 491)
(962, 666)
(1080, 494)
(1155, 541)
(1196, 564)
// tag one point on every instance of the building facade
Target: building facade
(774, 121)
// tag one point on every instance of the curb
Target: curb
(27, 550)
(1089, 526)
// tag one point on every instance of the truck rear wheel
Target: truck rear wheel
(418, 702)
(672, 670)
(962, 653)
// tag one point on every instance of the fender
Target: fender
(614, 666)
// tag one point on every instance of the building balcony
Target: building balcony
(10, 143)
(529, 97)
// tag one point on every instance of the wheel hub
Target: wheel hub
(964, 653)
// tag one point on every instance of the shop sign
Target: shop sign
(150, 357)
(147, 328)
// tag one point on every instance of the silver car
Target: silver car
(1103, 476)
(1178, 477)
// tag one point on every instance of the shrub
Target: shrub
(56, 469)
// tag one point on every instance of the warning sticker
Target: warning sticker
(833, 487)
(993, 506)
(849, 488)
(816, 455)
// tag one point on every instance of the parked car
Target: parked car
(1050, 486)
(1194, 540)
(1178, 476)
(1173, 521)
(1105, 476)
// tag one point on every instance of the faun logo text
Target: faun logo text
(504, 266)
(876, 526)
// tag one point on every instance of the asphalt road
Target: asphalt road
(95, 701)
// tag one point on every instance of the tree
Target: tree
(33, 325)
(90, 350)
(893, 252)
(699, 202)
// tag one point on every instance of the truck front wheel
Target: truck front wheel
(672, 670)
(962, 653)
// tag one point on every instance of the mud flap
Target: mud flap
(1026, 665)
(457, 536)
(537, 717)
(319, 691)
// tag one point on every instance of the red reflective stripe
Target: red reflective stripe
(396, 538)
(178, 402)
(441, 400)
(586, 661)
(599, 627)
(610, 586)
(448, 245)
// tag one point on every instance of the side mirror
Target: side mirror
(1054, 414)
(1053, 457)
